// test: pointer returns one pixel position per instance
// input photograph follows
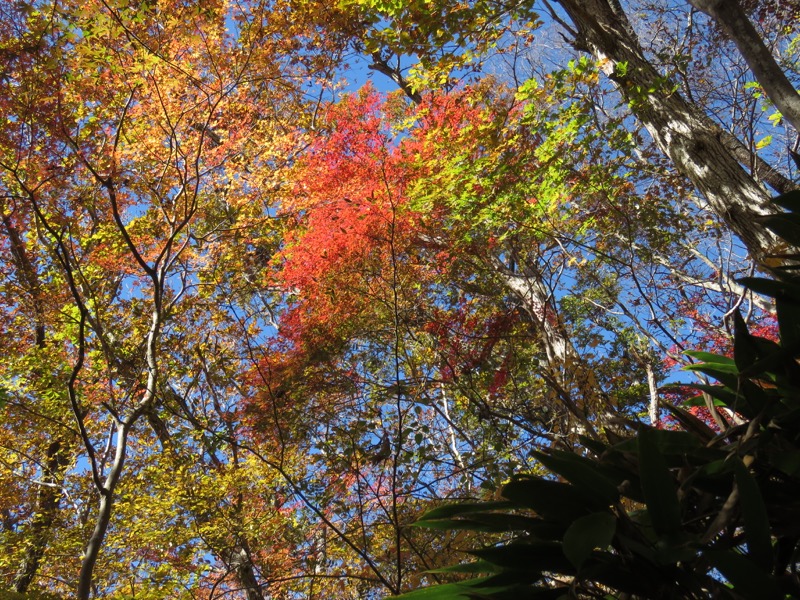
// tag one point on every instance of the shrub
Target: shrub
(649, 513)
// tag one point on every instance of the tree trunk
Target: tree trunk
(682, 131)
(762, 170)
(240, 561)
(573, 381)
(57, 455)
(652, 386)
(48, 501)
(95, 543)
(732, 19)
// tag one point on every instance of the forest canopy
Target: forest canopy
(278, 277)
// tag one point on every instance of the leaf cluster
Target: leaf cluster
(693, 512)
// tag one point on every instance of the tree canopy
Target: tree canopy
(280, 276)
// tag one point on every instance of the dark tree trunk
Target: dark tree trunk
(48, 501)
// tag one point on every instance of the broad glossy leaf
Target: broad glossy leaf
(596, 446)
(666, 442)
(727, 375)
(772, 288)
(747, 578)
(496, 523)
(633, 575)
(448, 591)
(756, 519)
(516, 585)
(456, 509)
(534, 556)
(790, 200)
(788, 310)
(465, 524)
(745, 351)
(595, 531)
(711, 390)
(786, 226)
(552, 500)
(692, 423)
(787, 461)
(722, 396)
(773, 363)
(658, 485)
(478, 566)
(709, 357)
(581, 472)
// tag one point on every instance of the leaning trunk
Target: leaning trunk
(732, 19)
(682, 131)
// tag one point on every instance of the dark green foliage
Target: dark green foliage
(688, 513)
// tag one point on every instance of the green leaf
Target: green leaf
(747, 579)
(708, 357)
(710, 390)
(581, 472)
(464, 524)
(714, 369)
(724, 396)
(587, 533)
(753, 398)
(745, 352)
(597, 447)
(532, 556)
(756, 520)
(787, 461)
(448, 591)
(691, 423)
(790, 201)
(728, 375)
(477, 566)
(775, 359)
(772, 288)
(453, 510)
(658, 486)
(682, 548)
(717, 470)
(666, 442)
(517, 591)
(632, 574)
(552, 500)
(786, 226)
(497, 523)
(788, 310)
